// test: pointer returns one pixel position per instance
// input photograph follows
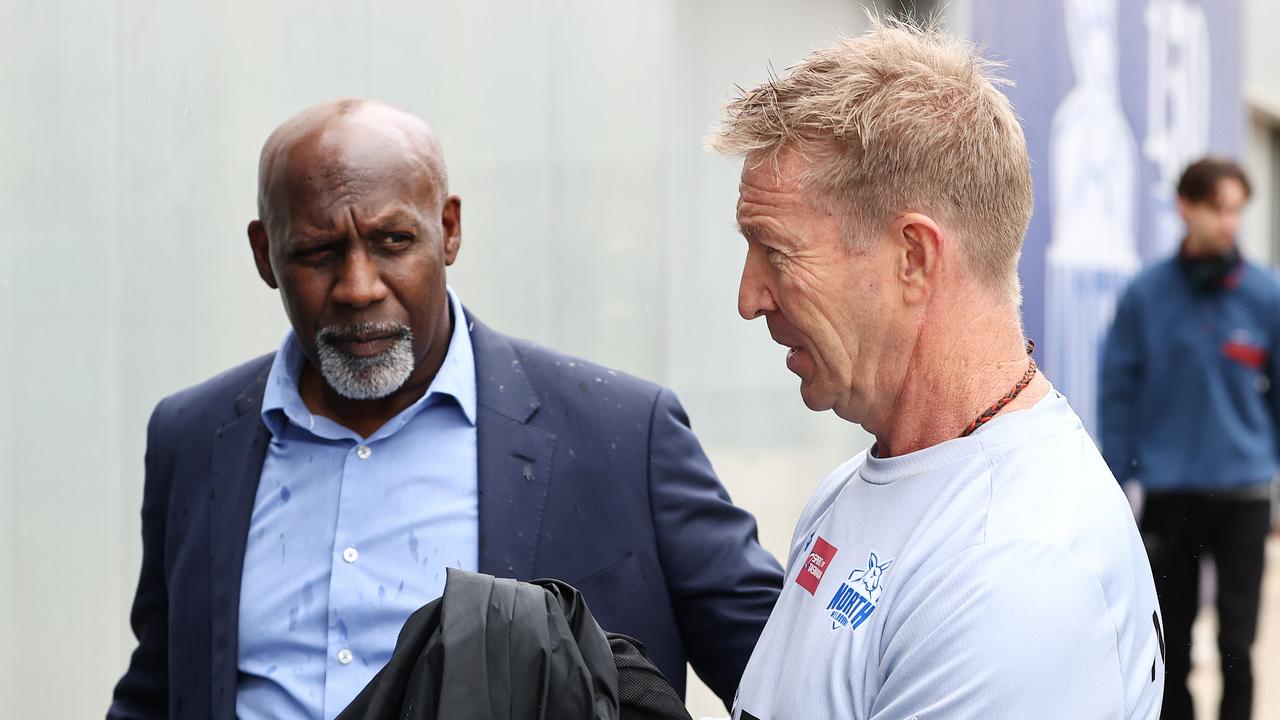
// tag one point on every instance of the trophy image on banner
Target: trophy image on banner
(1093, 171)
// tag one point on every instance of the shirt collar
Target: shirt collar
(456, 378)
(457, 374)
(1050, 414)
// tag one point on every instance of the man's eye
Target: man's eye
(314, 252)
(399, 238)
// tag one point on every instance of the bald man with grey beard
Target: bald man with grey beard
(299, 507)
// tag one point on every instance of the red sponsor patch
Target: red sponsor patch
(1245, 354)
(814, 567)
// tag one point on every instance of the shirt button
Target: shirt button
(344, 656)
(350, 554)
(363, 452)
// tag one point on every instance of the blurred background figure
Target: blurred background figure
(597, 224)
(1187, 410)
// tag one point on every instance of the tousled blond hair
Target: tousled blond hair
(902, 118)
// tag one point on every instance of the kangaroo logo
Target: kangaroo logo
(870, 577)
(856, 598)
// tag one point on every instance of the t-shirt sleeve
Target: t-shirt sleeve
(1009, 630)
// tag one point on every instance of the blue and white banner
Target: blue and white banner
(1116, 98)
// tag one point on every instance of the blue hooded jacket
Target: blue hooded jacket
(1186, 397)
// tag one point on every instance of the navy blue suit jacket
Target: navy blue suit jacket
(587, 476)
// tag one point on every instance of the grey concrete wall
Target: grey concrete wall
(1262, 88)
(62, 518)
(1261, 53)
(593, 222)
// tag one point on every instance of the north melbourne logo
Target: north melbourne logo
(856, 597)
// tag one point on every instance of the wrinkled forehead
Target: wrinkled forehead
(772, 184)
(353, 163)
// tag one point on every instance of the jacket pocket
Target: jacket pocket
(612, 582)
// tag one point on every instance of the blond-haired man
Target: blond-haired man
(979, 561)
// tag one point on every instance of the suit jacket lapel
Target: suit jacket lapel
(239, 449)
(514, 458)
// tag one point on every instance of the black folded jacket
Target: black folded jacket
(494, 648)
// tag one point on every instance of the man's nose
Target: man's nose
(754, 295)
(360, 282)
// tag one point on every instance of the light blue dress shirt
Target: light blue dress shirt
(350, 535)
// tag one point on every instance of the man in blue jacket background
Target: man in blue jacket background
(1189, 410)
(299, 507)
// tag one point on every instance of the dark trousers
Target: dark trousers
(1177, 529)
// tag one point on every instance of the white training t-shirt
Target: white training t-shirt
(995, 576)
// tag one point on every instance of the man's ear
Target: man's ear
(919, 242)
(451, 221)
(262, 253)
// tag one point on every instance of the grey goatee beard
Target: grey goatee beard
(365, 378)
